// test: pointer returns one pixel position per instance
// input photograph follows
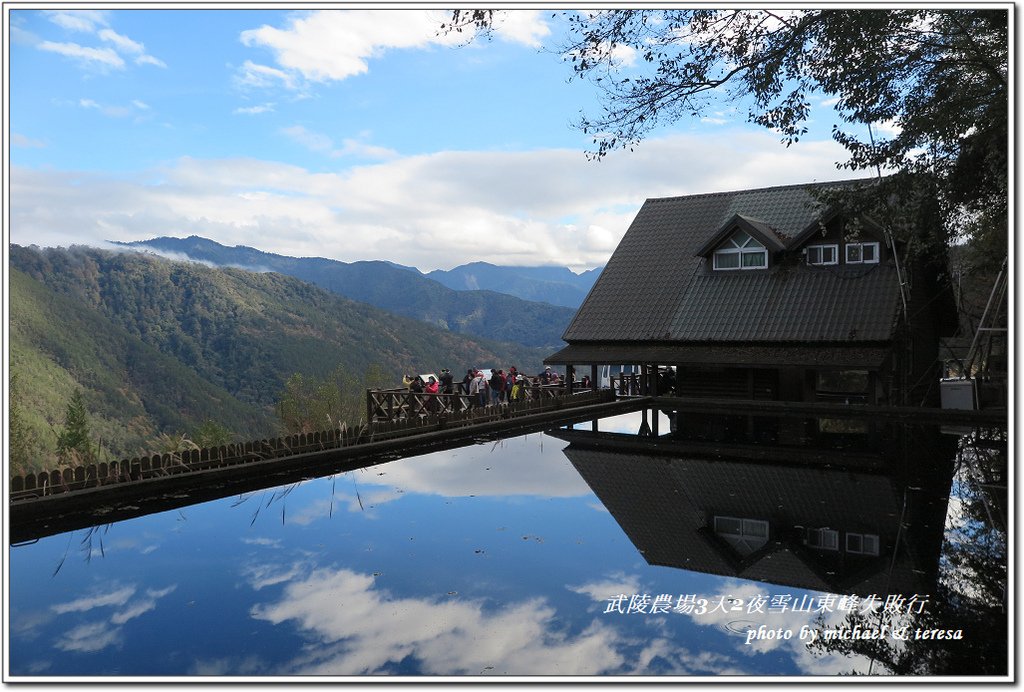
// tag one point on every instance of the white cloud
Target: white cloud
(88, 57)
(149, 60)
(323, 144)
(20, 140)
(89, 638)
(101, 599)
(255, 110)
(133, 108)
(521, 26)
(97, 58)
(333, 45)
(260, 76)
(611, 586)
(122, 43)
(430, 211)
(78, 20)
(356, 628)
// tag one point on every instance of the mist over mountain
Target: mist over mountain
(531, 306)
(158, 346)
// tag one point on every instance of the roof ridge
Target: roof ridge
(762, 189)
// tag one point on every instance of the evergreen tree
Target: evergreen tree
(21, 449)
(212, 434)
(74, 443)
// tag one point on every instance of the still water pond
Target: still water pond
(585, 552)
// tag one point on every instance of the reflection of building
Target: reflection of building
(765, 294)
(827, 522)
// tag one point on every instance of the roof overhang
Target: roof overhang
(755, 228)
(865, 223)
(862, 356)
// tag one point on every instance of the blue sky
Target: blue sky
(353, 135)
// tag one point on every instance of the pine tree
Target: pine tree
(21, 447)
(73, 443)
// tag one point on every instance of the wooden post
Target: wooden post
(593, 378)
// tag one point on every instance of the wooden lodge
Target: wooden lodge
(763, 294)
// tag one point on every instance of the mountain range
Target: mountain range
(527, 305)
(159, 346)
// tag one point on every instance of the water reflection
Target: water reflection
(857, 508)
(504, 558)
(811, 516)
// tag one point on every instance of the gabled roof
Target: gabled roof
(868, 224)
(655, 287)
(760, 230)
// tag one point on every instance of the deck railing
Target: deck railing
(60, 481)
(402, 404)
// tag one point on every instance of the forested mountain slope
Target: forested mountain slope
(133, 392)
(160, 344)
(401, 290)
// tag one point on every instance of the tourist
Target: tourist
(545, 377)
(497, 384)
(430, 389)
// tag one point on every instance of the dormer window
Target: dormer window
(741, 251)
(822, 254)
(862, 253)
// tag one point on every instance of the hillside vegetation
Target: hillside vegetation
(401, 290)
(158, 346)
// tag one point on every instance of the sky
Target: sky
(348, 134)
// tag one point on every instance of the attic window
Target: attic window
(822, 254)
(822, 539)
(741, 251)
(862, 253)
(862, 543)
(744, 535)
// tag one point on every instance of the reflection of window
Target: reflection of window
(744, 535)
(824, 539)
(741, 251)
(862, 543)
(822, 254)
(861, 253)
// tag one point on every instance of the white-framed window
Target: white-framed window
(741, 251)
(824, 539)
(861, 253)
(862, 543)
(745, 535)
(822, 254)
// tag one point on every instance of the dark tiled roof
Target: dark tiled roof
(665, 504)
(795, 304)
(655, 288)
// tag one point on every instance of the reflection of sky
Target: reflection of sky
(489, 559)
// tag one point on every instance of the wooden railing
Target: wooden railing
(402, 404)
(62, 481)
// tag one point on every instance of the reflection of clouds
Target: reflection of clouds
(249, 666)
(89, 638)
(628, 423)
(99, 600)
(260, 576)
(530, 465)
(364, 630)
(806, 660)
(95, 636)
(609, 587)
(140, 606)
(263, 542)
